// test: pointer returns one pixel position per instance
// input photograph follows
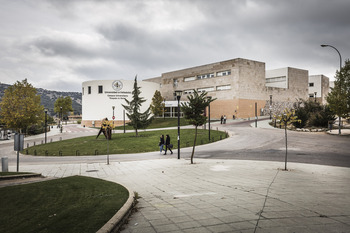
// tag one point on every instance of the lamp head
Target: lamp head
(324, 45)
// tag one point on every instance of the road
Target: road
(245, 143)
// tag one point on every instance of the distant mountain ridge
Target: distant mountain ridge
(48, 98)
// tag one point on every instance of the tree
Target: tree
(194, 112)
(65, 103)
(339, 97)
(137, 119)
(288, 117)
(20, 106)
(311, 113)
(157, 105)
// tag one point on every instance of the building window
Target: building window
(190, 79)
(175, 83)
(205, 89)
(188, 92)
(311, 84)
(223, 87)
(276, 79)
(204, 76)
(223, 73)
(100, 89)
(89, 89)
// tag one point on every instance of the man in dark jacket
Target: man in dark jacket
(167, 144)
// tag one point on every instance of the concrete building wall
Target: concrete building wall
(319, 84)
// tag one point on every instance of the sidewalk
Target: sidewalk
(225, 195)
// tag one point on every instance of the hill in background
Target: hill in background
(48, 98)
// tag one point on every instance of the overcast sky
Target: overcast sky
(58, 44)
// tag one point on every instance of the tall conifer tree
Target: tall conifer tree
(138, 120)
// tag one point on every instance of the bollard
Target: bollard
(27, 145)
(201, 141)
(42, 142)
(60, 138)
(212, 139)
(46, 153)
(220, 137)
(96, 152)
(34, 143)
(4, 164)
(217, 129)
(77, 153)
(51, 140)
(60, 153)
(27, 152)
(34, 152)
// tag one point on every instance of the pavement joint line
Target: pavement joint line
(263, 207)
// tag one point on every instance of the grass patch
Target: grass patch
(14, 173)
(73, 204)
(159, 123)
(122, 143)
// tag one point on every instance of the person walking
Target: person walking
(224, 119)
(167, 144)
(221, 119)
(161, 143)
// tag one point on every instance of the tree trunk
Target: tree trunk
(194, 144)
(285, 162)
(137, 134)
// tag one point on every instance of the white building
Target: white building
(99, 97)
(318, 88)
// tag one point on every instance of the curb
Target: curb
(21, 176)
(117, 221)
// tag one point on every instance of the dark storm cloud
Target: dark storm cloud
(86, 40)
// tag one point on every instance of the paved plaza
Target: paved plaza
(225, 195)
(222, 195)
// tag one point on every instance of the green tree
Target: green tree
(138, 120)
(288, 117)
(20, 106)
(339, 97)
(157, 105)
(194, 112)
(65, 103)
(311, 113)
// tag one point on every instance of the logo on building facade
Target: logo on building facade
(117, 85)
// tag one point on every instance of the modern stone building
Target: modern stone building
(319, 88)
(237, 85)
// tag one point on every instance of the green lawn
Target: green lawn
(122, 143)
(160, 123)
(73, 204)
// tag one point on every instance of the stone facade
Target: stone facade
(236, 84)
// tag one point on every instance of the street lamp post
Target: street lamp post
(209, 98)
(315, 95)
(61, 119)
(326, 45)
(270, 106)
(45, 125)
(178, 97)
(113, 117)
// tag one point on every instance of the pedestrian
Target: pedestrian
(221, 119)
(167, 144)
(224, 119)
(161, 143)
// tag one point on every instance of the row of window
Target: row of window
(208, 89)
(100, 90)
(204, 76)
(276, 79)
